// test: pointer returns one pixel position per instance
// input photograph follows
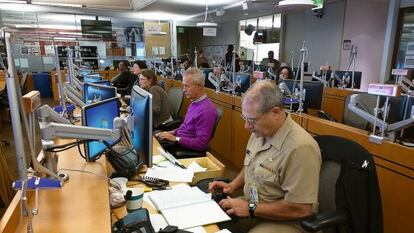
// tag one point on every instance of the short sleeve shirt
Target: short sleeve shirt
(286, 167)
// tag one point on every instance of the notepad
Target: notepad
(187, 207)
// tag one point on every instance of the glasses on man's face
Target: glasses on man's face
(254, 120)
(251, 120)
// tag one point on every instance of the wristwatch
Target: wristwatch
(177, 139)
(252, 207)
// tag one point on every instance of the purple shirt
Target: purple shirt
(195, 132)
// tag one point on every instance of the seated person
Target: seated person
(270, 62)
(280, 177)
(122, 79)
(160, 106)
(136, 70)
(228, 59)
(202, 59)
(285, 72)
(196, 130)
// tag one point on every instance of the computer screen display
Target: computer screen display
(90, 78)
(348, 76)
(85, 72)
(313, 92)
(244, 81)
(103, 82)
(99, 115)
(141, 134)
(93, 93)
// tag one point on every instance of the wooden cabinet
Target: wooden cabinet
(333, 102)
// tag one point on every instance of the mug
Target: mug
(135, 201)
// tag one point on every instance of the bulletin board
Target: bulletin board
(215, 53)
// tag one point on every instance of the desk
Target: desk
(82, 205)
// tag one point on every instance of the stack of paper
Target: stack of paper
(187, 207)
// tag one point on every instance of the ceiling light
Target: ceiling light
(220, 12)
(245, 6)
(295, 5)
(57, 4)
(206, 23)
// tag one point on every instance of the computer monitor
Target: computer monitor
(93, 93)
(99, 115)
(313, 93)
(103, 82)
(206, 72)
(90, 78)
(85, 72)
(141, 134)
(244, 80)
(357, 78)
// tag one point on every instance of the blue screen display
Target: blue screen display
(84, 72)
(141, 135)
(100, 115)
(92, 78)
(94, 93)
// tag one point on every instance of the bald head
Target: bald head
(264, 95)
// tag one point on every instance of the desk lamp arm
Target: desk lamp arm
(352, 105)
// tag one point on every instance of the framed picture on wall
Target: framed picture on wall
(347, 45)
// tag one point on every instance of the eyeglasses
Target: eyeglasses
(253, 121)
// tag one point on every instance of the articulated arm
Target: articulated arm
(352, 105)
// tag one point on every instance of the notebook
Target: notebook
(187, 207)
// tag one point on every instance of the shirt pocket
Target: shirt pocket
(265, 175)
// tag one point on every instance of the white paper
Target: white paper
(161, 50)
(195, 167)
(24, 63)
(47, 60)
(154, 50)
(49, 50)
(171, 174)
(191, 216)
(177, 197)
(199, 229)
(17, 62)
(158, 222)
(224, 231)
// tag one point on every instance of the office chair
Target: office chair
(188, 153)
(349, 196)
(175, 98)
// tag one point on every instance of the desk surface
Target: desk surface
(81, 205)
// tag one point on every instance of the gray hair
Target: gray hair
(196, 75)
(266, 94)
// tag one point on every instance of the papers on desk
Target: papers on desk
(166, 170)
(158, 222)
(187, 207)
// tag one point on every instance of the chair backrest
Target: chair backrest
(348, 177)
(175, 98)
(219, 115)
(161, 83)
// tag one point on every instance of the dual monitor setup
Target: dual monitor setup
(102, 106)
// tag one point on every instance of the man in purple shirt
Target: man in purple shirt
(196, 130)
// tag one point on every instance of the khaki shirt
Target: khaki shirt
(285, 167)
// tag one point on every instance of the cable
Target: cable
(82, 171)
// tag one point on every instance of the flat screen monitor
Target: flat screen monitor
(103, 82)
(93, 93)
(313, 93)
(244, 81)
(206, 72)
(141, 134)
(99, 115)
(348, 74)
(92, 78)
(85, 72)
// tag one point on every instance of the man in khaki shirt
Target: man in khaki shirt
(280, 177)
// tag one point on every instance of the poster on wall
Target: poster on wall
(134, 34)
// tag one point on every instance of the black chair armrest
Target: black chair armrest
(326, 116)
(187, 153)
(323, 220)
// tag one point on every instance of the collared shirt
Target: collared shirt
(286, 167)
(200, 98)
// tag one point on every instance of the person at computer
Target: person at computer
(229, 58)
(122, 79)
(202, 59)
(280, 177)
(271, 62)
(196, 130)
(285, 72)
(136, 70)
(160, 106)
